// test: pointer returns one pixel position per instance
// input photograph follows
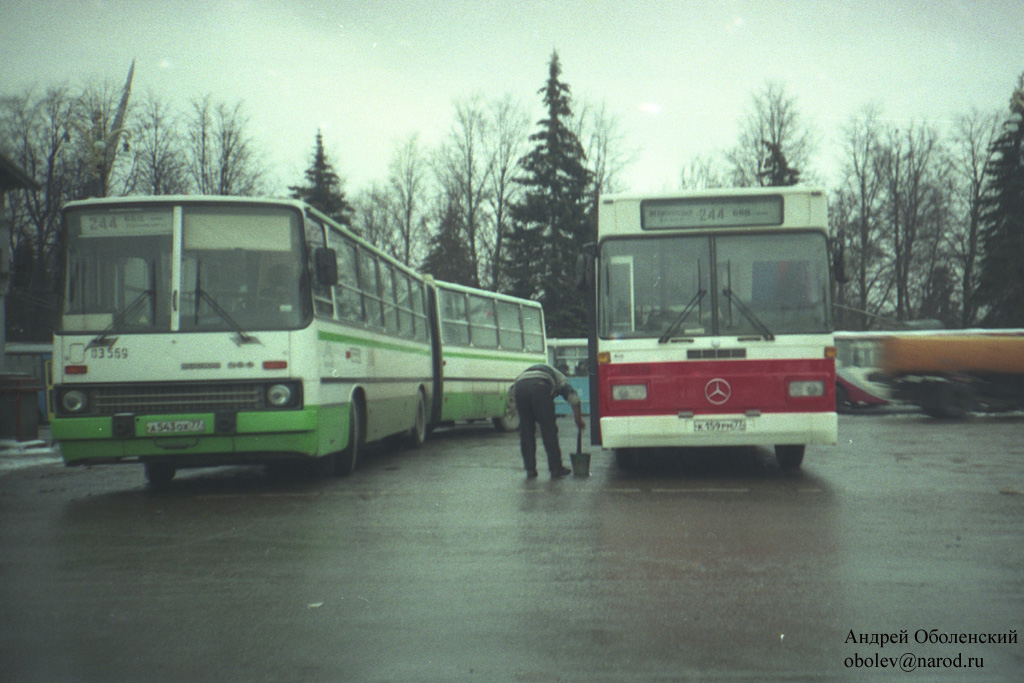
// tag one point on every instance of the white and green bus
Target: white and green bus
(487, 339)
(199, 331)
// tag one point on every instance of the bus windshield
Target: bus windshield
(241, 269)
(675, 286)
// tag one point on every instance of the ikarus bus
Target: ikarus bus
(199, 331)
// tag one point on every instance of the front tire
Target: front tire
(789, 457)
(627, 459)
(347, 459)
(418, 434)
(159, 474)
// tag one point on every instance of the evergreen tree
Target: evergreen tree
(553, 220)
(777, 171)
(323, 187)
(1001, 284)
(449, 257)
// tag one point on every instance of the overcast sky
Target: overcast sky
(678, 75)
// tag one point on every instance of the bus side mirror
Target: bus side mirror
(326, 263)
(839, 266)
(585, 269)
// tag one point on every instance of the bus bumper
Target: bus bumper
(253, 437)
(668, 431)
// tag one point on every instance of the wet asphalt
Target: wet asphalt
(447, 563)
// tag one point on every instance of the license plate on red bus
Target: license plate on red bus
(175, 426)
(730, 425)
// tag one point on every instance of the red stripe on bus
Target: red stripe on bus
(718, 387)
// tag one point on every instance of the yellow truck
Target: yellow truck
(951, 374)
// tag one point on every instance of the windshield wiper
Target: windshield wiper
(682, 316)
(243, 336)
(103, 338)
(749, 315)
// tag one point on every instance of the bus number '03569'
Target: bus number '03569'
(101, 352)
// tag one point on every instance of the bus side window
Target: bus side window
(322, 303)
(533, 329)
(403, 300)
(369, 287)
(483, 328)
(510, 327)
(419, 309)
(454, 319)
(387, 296)
(346, 292)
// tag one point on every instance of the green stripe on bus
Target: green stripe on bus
(534, 357)
(360, 341)
(464, 406)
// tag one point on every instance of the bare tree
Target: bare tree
(859, 235)
(464, 167)
(372, 215)
(913, 171)
(702, 173)
(159, 166)
(772, 126)
(38, 134)
(221, 159)
(972, 149)
(407, 185)
(604, 144)
(509, 129)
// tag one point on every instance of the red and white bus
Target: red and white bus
(712, 322)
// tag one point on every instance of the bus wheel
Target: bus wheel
(950, 401)
(843, 403)
(789, 457)
(159, 474)
(626, 458)
(418, 434)
(346, 460)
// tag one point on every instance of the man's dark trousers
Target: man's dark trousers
(536, 406)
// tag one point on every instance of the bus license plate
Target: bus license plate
(175, 427)
(736, 425)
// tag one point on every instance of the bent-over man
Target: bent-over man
(534, 392)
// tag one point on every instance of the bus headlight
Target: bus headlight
(807, 388)
(73, 401)
(629, 392)
(279, 395)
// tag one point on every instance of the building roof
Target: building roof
(13, 177)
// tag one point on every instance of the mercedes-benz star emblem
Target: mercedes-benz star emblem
(717, 391)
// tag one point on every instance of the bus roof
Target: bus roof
(474, 290)
(716, 192)
(184, 198)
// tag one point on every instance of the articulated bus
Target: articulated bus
(199, 331)
(712, 322)
(487, 339)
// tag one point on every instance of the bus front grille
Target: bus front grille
(175, 398)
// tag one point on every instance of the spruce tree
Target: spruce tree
(323, 187)
(1001, 284)
(449, 257)
(553, 221)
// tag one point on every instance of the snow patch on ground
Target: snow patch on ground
(16, 454)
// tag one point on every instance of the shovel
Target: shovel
(580, 460)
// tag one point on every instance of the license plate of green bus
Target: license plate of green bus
(733, 425)
(176, 426)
